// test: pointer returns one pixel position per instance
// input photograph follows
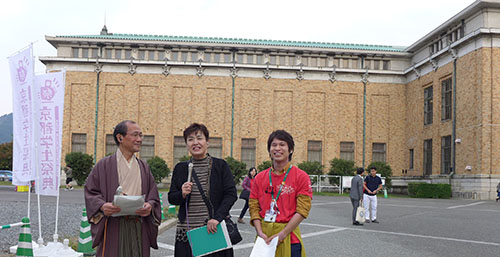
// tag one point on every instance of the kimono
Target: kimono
(100, 188)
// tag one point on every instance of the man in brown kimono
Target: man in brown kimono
(123, 236)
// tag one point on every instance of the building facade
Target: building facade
(430, 110)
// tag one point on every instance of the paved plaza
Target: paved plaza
(408, 227)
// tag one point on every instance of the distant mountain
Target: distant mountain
(6, 128)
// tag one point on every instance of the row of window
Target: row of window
(446, 102)
(445, 156)
(248, 148)
(446, 39)
(225, 57)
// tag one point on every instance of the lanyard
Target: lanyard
(282, 183)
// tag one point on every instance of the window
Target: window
(347, 151)
(76, 52)
(110, 144)
(228, 58)
(128, 54)
(248, 148)
(259, 59)
(446, 99)
(79, 143)
(273, 59)
(179, 149)
(215, 147)
(314, 151)
(161, 55)
(148, 148)
(141, 55)
(194, 57)
(118, 53)
(428, 157)
(151, 55)
(386, 65)
(207, 57)
(95, 52)
(108, 54)
(250, 58)
(411, 159)
(282, 60)
(85, 52)
(175, 56)
(428, 105)
(239, 58)
(445, 154)
(376, 65)
(184, 56)
(378, 152)
(217, 57)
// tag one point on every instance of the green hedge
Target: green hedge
(424, 190)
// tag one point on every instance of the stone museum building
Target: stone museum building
(431, 110)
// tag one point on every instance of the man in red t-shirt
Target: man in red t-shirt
(281, 198)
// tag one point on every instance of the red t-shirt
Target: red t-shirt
(296, 183)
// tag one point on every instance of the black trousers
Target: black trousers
(183, 249)
(244, 210)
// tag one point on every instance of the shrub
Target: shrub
(81, 164)
(424, 190)
(185, 158)
(159, 168)
(312, 168)
(341, 167)
(264, 165)
(238, 168)
(6, 156)
(384, 170)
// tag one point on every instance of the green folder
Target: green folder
(202, 243)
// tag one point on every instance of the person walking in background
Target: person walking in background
(356, 194)
(372, 185)
(245, 194)
(498, 191)
(69, 177)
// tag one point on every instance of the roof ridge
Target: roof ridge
(245, 40)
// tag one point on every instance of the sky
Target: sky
(383, 22)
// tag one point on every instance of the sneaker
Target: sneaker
(71, 189)
(375, 221)
(241, 221)
(65, 189)
(367, 221)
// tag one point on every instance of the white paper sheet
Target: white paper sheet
(128, 204)
(261, 249)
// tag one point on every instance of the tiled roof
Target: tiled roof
(242, 41)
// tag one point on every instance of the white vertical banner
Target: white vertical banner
(21, 73)
(49, 98)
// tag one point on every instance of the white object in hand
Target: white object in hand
(190, 171)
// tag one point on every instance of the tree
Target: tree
(159, 168)
(264, 165)
(238, 168)
(6, 156)
(384, 170)
(312, 168)
(81, 164)
(341, 167)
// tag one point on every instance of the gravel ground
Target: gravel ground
(11, 211)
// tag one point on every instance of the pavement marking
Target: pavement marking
(411, 206)
(465, 205)
(250, 245)
(427, 237)
(328, 203)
